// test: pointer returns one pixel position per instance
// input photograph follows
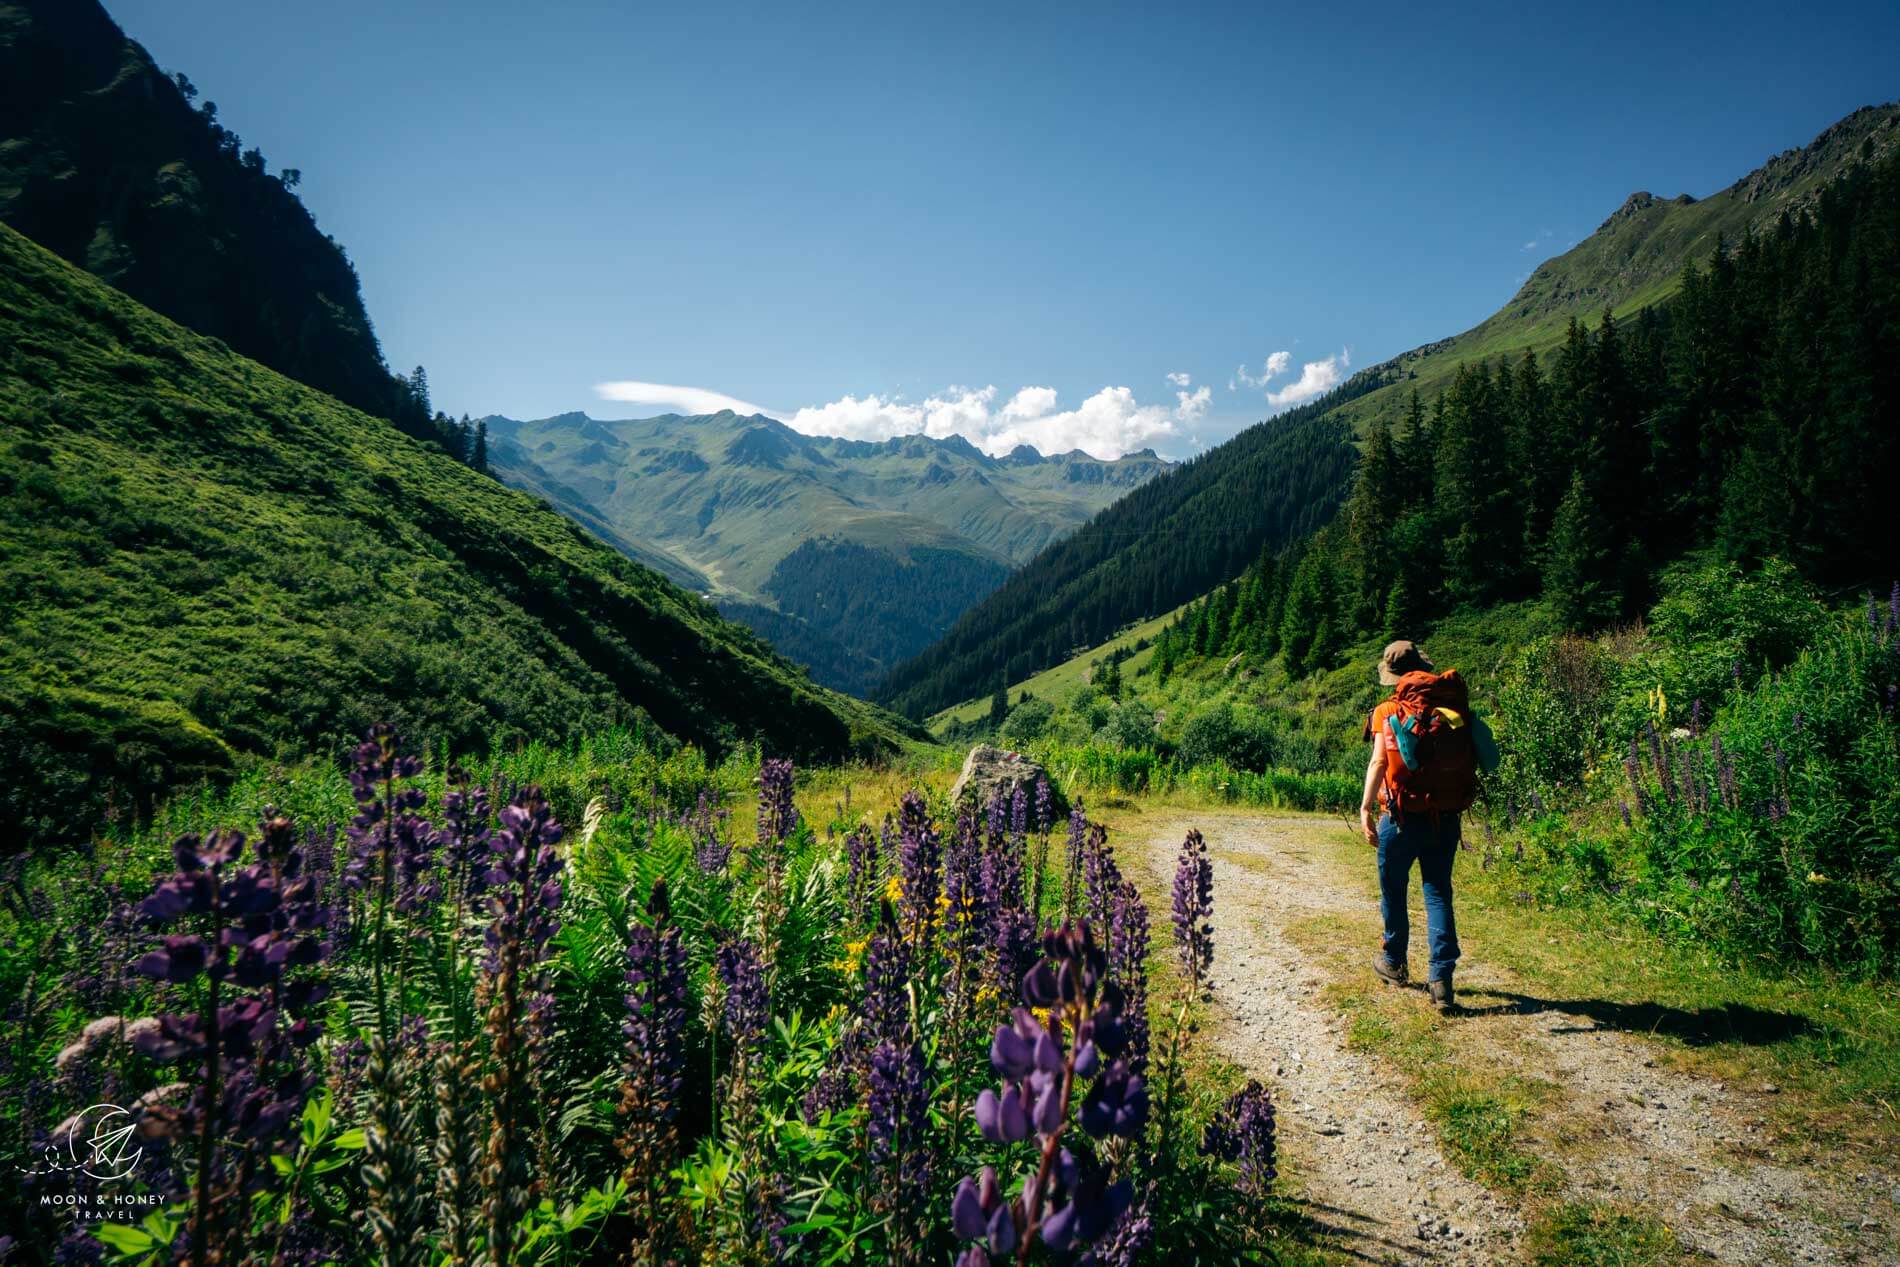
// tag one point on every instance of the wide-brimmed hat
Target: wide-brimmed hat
(1400, 658)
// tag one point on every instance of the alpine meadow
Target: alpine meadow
(548, 808)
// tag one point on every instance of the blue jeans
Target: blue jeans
(1433, 845)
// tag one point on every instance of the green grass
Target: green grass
(1579, 1233)
(1478, 1114)
(208, 564)
(1057, 681)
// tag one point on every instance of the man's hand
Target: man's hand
(1366, 825)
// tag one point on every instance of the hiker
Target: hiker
(1423, 772)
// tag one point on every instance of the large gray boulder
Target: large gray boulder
(989, 769)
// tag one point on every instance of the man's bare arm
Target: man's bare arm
(1369, 798)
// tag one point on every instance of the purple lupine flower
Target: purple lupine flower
(255, 925)
(1078, 832)
(1100, 876)
(1128, 968)
(1624, 806)
(524, 892)
(883, 1015)
(897, 1131)
(963, 866)
(777, 818)
(748, 1000)
(462, 839)
(1695, 719)
(1069, 1206)
(920, 859)
(1018, 816)
(1194, 907)
(655, 1031)
(709, 828)
(523, 881)
(1243, 1133)
(1045, 798)
(385, 821)
(996, 813)
(1129, 1240)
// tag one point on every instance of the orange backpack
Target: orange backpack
(1431, 761)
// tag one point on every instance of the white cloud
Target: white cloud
(1180, 379)
(1193, 404)
(686, 400)
(1106, 425)
(1543, 236)
(1276, 365)
(1316, 378)
(1030, 402)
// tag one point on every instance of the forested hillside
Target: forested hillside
(851, 556)
(1749, 417)
(207, 564)
(1164, 543)
(120, 168)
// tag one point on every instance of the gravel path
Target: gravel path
(1680, 1147)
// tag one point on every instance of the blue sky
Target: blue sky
(1008, 223)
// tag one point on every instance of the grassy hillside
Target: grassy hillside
(109, 161)
(777, 525)
(1634, 259)
(207, 564)
(1057, 682)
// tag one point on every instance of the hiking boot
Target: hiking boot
(1393, 972)
(1442, 996)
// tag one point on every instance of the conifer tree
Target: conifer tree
(1577, 562)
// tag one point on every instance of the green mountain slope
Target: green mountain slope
(849, 555)
(1635, 259)
(207, 563)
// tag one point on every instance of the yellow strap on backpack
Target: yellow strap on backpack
(1452, 716)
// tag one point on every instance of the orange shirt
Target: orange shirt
(1375, 721)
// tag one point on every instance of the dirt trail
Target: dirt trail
(1674, 1145)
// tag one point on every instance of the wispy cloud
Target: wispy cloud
(1543, 236)
(1180, 379)
(686, 400)
(1316, 378)
(1275, 366)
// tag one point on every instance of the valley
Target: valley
(851, 556)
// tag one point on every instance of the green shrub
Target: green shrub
(1777, 831)
(1716, 630)
(1550, 719)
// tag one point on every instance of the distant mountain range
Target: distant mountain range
(849, 555)
(1194, 528)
